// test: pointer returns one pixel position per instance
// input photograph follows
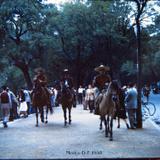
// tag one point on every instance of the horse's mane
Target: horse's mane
(112, 85)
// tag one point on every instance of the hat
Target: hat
(124, 87)
(65, 70)
(102, 68)
(41, 70)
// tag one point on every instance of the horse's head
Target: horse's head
(113, 87)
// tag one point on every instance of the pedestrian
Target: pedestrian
(52, 97)
(28, 100)
(23, 104)
(5, 106)
(14, 105)
(80, 94)
(120, 109)
(146, 91)
(84, 99)
(131, 105)
(90, 97)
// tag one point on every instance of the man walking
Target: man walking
(131, 105)
(5, 105)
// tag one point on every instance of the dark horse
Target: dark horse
(40, 100)
(67, 102)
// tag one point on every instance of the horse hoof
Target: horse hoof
(118, 126)
(42, 120)
(46, 122)
(36, 125)
(65, 123)
(111, 139)
(69, 122)
(100, 128)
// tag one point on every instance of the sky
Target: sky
(58, 1)
(146, 21)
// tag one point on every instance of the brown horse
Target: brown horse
(40, 100)
(67, 103)
(107, 107)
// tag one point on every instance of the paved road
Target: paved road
(80, 140)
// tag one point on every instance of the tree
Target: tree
(19, 19)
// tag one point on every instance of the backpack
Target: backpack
(4, 97)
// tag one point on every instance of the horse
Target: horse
(107, 107)
(67, 99)
(40, 99)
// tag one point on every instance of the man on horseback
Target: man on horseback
(40, 79)
(67, 80)
(67, 83)
(67, 95)
(101, 81)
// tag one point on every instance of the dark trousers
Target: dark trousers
(28, 105)
(80, 98)
(91, 105)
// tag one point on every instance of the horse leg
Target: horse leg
(42, 114)
(106, 122)
(65, 117)
(118, 123)
(69, 115)
(106, 127)
(36, 108)
(111, 129)
(46, 115)
(100, 126)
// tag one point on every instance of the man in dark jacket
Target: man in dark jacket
(67, 80)
(40, 77)
(5, 105)
(67, 84)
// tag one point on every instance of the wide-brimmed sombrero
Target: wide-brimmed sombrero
(41, 70)
(102, 68)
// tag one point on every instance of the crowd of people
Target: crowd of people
(13, 107)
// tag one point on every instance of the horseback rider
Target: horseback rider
(101, 81)
(41, 79)
(67, 83)
(67, 80)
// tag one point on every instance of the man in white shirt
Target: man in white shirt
(80, 94)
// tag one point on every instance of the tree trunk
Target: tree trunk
(27, 79)
(24, 68)
(78, 66)
(139, 69)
